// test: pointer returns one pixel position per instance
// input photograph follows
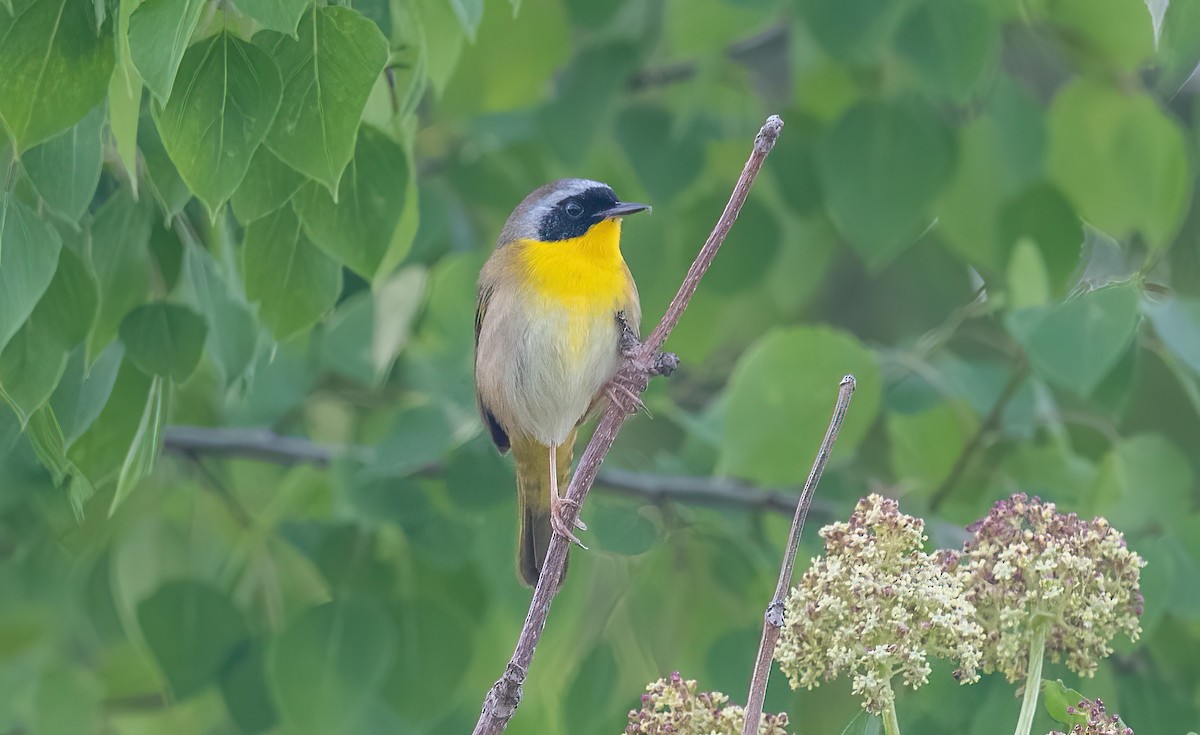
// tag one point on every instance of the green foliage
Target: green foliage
(257, 214)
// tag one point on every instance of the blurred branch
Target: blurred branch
(990, 423)
(260, 444)
(773, 617)
(502, 699)
(266, 446)
(681, 71)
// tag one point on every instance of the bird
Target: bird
(557, 314)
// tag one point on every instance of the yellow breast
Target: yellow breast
(585, 273)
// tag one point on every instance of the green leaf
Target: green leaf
(46, 437)
(143, 450)
(219, 113)
(881, 168)
(56, 67)
(34, 360)
(852, 29)
(275, 15)
(66, 701)
(1158, 10)
(999, 155)
(436, 645)
(473, 471)
(169, 188)
(269, 184)
(83, 391)
(666, 159)
(193, 630)
(444, 40)
(924, 446)
(589, 83)
(164, 339)
(418, 436)
(469, 13)
(1057, 698)
(159, 33)
(325, 665)
(780, 397)
(1179, 46)
(397, 302)
(328, 71)
(951, 43)
(244, 689)
(1121, 161)
(65, 169)
(1042, 216)
(125, 99)
(346, 339)
(293, 282)
(590, 694)
(1177, 323)
(1028, 284)
(1110, 34)
(1076, 342)
(232, 330)
(1144, 480)
(121, 261)
(622, 527)
(358, 229)
(28, 259)
(100, 451)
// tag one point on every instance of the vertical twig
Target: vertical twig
(504, 696)
(773, 618)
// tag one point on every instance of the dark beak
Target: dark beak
(621, 209)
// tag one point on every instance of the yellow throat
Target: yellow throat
(585, 273)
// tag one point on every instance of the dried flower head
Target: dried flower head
(876, 605)
(1099, 721)
(674, 707)
(1029, 565)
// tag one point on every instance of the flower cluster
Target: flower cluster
(674, 707)
(1099, 721)
(876, 605)
(1027, 565)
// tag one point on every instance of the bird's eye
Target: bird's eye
(574, 209)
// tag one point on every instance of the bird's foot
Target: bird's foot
(627, 385)
(562, 523)
(623, 396)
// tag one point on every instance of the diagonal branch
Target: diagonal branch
(502, 699)
(773, 618)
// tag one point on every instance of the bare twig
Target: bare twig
(773, 618)
(504, 696)
(989, 424)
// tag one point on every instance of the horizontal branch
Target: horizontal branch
(265, 445)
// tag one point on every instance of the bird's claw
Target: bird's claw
(560, 523)
(624, 398)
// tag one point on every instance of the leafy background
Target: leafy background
(269, 215)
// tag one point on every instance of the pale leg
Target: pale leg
(559, 506)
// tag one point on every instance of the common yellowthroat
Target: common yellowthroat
(556, 303)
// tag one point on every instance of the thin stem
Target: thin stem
(891, 725)
(773, 617)
(502, 699)
(1033, 680)
(989, 424)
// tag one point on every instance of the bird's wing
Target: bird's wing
(499, 437)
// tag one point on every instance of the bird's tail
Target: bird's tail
(533, 501)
